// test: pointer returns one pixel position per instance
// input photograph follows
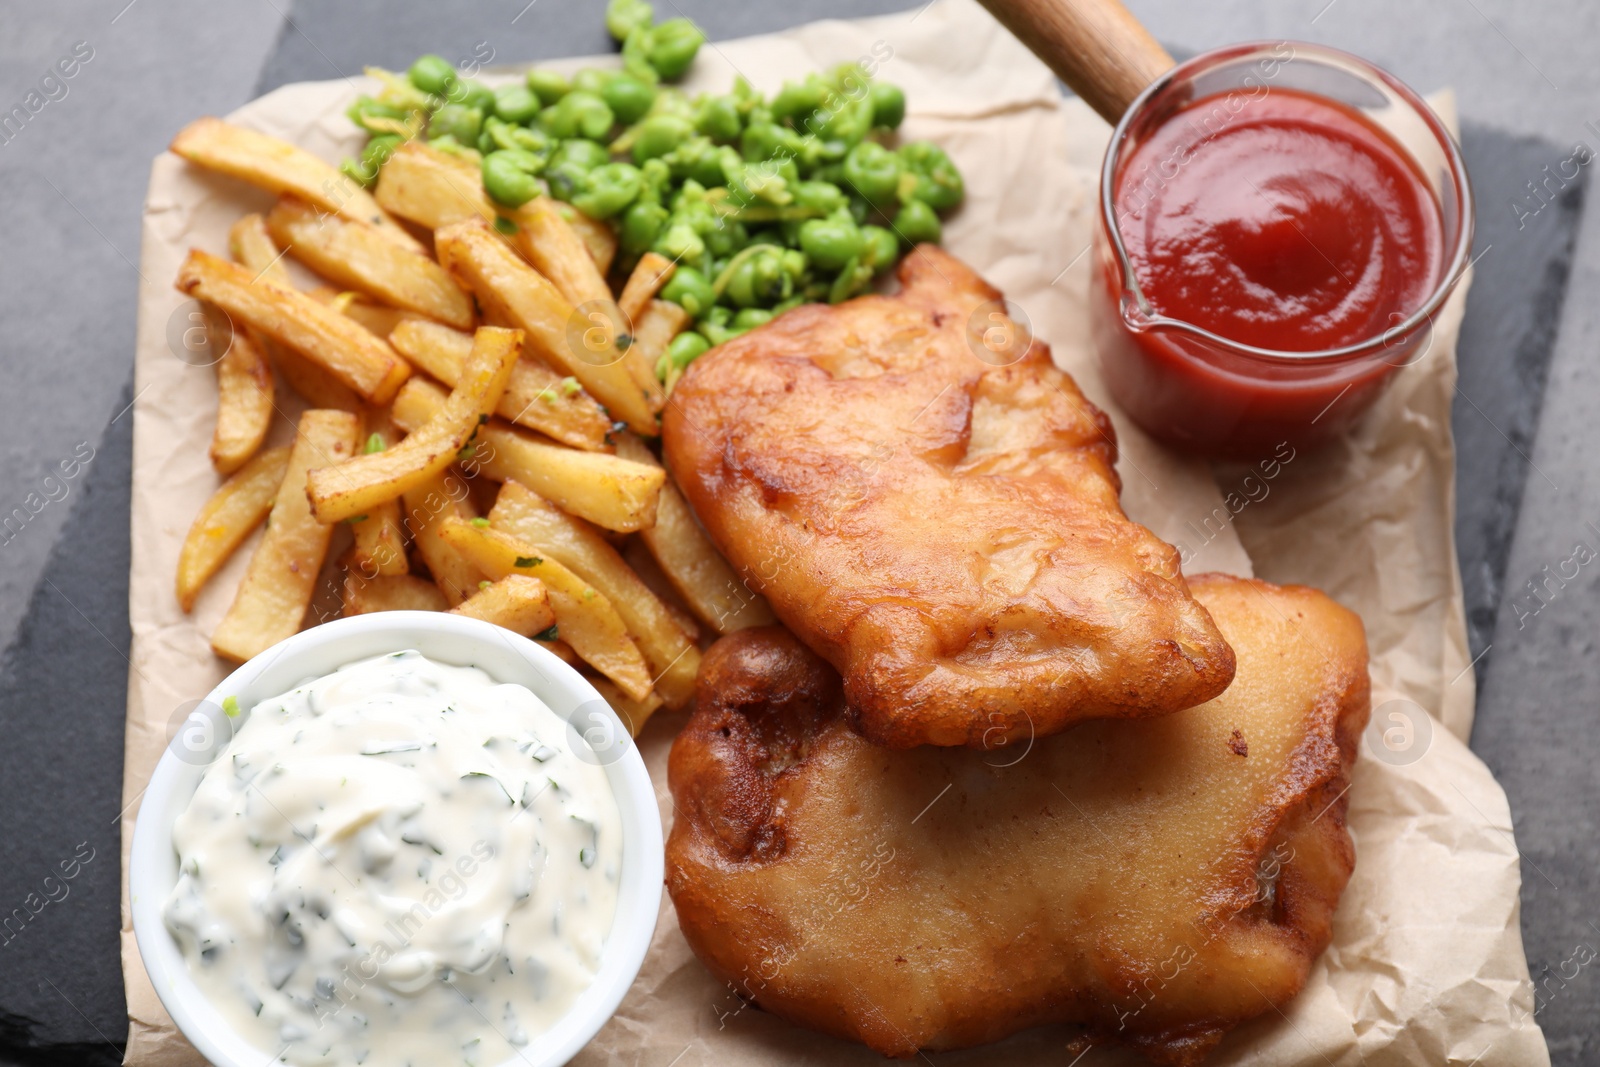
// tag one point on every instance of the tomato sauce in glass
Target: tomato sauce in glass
(1286, 225)
(1300, 226)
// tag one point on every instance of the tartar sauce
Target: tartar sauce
(400, 863)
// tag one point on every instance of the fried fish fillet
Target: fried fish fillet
(944, 529)
(1155, 882)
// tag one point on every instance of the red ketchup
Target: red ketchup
(1293, 224)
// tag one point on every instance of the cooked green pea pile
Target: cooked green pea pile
(762, 203)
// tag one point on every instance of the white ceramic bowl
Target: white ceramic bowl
(153, 866)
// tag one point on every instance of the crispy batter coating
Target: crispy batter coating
(1155, 882)
(943, 529)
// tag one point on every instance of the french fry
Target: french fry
(635, 713)
(516, 602)
(427, 506)
(649, 275)
(673, 659)
(359, 484)
(536, 396)
(380, 543)
(597, 236)
(556, 250)
(707, 582)
(585, 619)
(431, 188)
(359, 257)
(253, 248)
(511, 291)
(244, 394)
(561, 650)
(614, 493)
(226, 520)
(654, 330)
(638, 557)
(279, 167)
(398, 592)
(363, 362)
(277, 587)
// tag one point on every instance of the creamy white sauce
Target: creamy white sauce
(400, 863)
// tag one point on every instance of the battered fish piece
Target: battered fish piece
(1156, 882)
(944, 530)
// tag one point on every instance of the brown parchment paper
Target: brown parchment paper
(1426, 966)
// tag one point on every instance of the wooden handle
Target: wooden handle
(1095, 46)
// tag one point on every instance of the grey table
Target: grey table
(72, 178)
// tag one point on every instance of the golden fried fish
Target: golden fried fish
(1154, 882)
(936, 513)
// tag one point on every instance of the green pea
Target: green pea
(592, 79)
(358, 172)
(724, 238)
(690, 290)
(917, 222)
(759, 275)
(508, 176)
(516, 103)
(579, 114)
(458, 121)
(888, 105)
(672, 47)
(937, 181)
(379, 149)
(583, 154)
(853, 278)
(750, 318)
(719, 119)
(628, 97)
(548, 86)
(624, 16)
(766, 140)
(497, 133)
(659, 135)
(797, 100)
(680, 242)
(636, 54)
(873, 172)
(641, 225)
(566, 180)
(432, 74)
(657, 178)
(610, 189)
(685, 348)
(879, 249)
(832, 242)
(717, 334)
(475, 94)
(824, 198)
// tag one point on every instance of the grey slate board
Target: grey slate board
(63, 680)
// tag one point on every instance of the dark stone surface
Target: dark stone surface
(1507, 340)
(62, 683)
(63, 698)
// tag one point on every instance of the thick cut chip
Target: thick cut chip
(585, 618)
(358, 359)
(673, 658)
(536, 396)
(432, 188)
(516, 602)
(227, 519)
(708, 585)
(380, 540)
(514, 293)
(398, 592)
(359, 256)
(651, 272)
(929, 503)
(607, 490)
(427, 507)
(355, 486)
(244, 393)
(277, 587)
(280, 167)
(1152, 881)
